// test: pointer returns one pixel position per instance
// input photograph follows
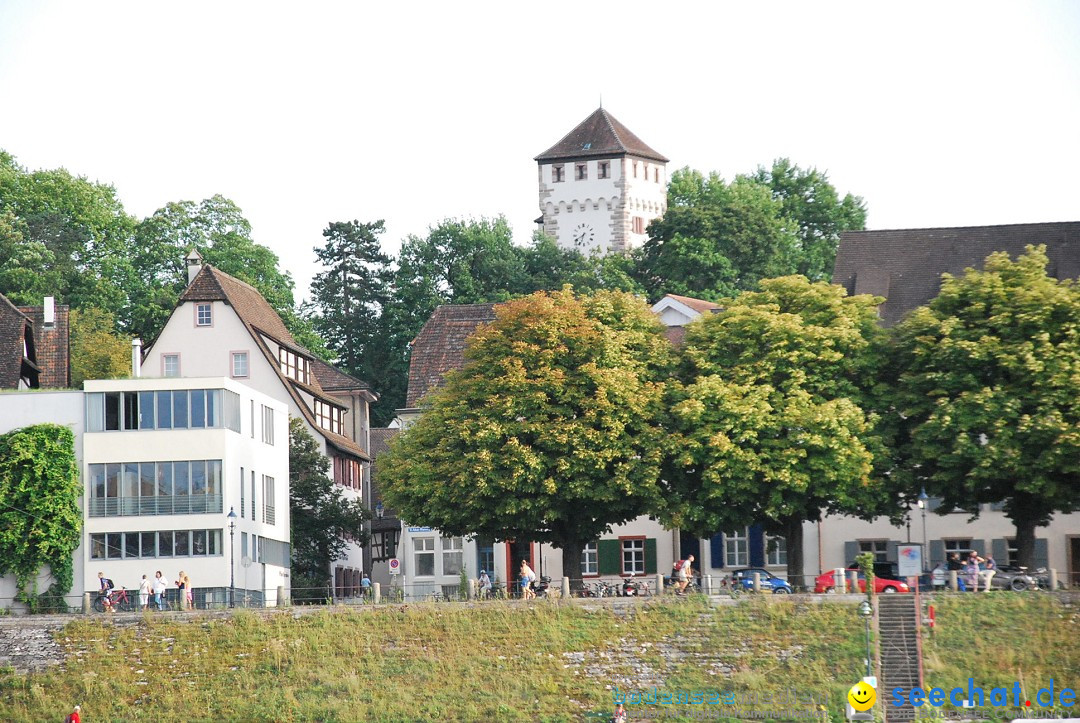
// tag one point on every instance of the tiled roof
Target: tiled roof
(699, 305)
(440, 346)
(15, 326)
(905, 265)
(263, 322)
(380, 440)
(333, 379)
(52, 346)
(599, 135)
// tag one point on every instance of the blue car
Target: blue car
(745, 577)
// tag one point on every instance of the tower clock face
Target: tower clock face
(583, 235)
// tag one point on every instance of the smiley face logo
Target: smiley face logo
(862, 696)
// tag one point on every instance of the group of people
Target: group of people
(972, 571)
(156, 587)
(526, 578)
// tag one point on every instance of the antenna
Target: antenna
(601, 99)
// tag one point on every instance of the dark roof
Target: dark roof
(905, 265)
(52, 345)
(262, 322)
(599, 135)
(380, 440)
(440, 346)
(16, 335)
(333, 379)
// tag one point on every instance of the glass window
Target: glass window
(198, 477)
(114, 542)
(147, 479)
(198, 408)
(213, 477)
(181, 479)
(97, 480)
(164, 410)
(146, 410)
(213, 541)
(267, 425)
(452, 555)
(589, 559)
(198, 542)
(243, 545)
(165, 480)
(131, 410)
(97, 547)
(131, 544)
(736, 548)
(130, 484)
(213, 408)
(165, 544)
(239, 364)
(170, 365)
(424, 556)
(180, 410)
(602, 169)
(232, 411)
(961, 547)
(269, 501)
(182, 543)
(112, 480)
(149, 544)
(557, 174)
(95, 412)
(252, 494)
(633, 556)
(112, 411)
(775, 550)
(203, 316)
(879, 548)
(485, 555)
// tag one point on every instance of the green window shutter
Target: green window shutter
(609, 557)
(650, 556)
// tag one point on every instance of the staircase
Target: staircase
(899, 650)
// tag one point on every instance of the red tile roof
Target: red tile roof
(52, 346)
(440, 346)
(599, 135)
(16, 334)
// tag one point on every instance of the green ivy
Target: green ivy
(40, 520)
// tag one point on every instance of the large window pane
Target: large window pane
(198, 408)
(214, 542)
(164, 480)
(232, 411)
(198, 542)
(131, 544)
(182, 543)
(213, 408)
(95, 412)
(180, 410)
(213, 477)
(149, 544)
(147, 482)
(112, 411)
(112, 480)
(131, 480)
(181, 480)
(146, 410)
(131, 410)
(97, 480)
(97, 547)
(114, 545)
(164, 410)
(165, 544)
(198, 477)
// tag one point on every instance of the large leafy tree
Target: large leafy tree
(773, 420)
(809, 200)
(988, 392)
(551, 432)
(322, 517)
(97, 351)
(61, 235)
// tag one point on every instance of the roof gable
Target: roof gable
(15, 329)
(599, 135)
(440, 346)
(52, 345)
(905, 265)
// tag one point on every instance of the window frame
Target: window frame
(581, 171)
(558, 173)
(638, 548)
(425, 551)
(204, 314)
(737, 548)
(590, 551)
(603, 169)
(165, 360)
(236, 356)
(878, 546)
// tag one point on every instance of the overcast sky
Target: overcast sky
(938, 114)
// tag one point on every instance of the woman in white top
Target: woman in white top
(144, 593)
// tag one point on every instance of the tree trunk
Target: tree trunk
(1025, 543)
(571, 562)
(793, 537)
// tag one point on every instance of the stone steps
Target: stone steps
(898, 651)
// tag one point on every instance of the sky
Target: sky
(937, 114)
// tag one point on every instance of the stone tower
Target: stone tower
(600, 186)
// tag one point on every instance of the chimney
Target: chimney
(50, 312)
(136, 357)
(194, 265)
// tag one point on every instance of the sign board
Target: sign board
(395, 566)
(909, 560)
(419, 529)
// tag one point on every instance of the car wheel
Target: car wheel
(889, 589)
(1018, 584)
(781, 591)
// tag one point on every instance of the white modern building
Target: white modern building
(224, 327)
(601, 186)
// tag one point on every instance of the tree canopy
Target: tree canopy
(987, 390)
(550, 432)
(770, 418)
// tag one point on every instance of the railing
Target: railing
(165, 505)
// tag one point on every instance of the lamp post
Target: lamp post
(232, 556)
(924, 499)
(866, 610)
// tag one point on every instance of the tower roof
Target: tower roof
(599, 135)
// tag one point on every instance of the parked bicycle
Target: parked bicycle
(119, 599)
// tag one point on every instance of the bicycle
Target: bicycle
(118, 599)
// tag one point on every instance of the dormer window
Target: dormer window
(204, 314)
(294, 366)
(329, 417)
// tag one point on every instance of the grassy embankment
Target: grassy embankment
(506, 662)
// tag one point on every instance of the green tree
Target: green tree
(322, 519)
(773, 420)
(988, 392)
(97, 351)
(810, 201)
(40, 520)
(716, 238)
(349, 297)
(71, 233)
(549, 433)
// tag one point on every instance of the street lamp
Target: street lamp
(232, 556)
(923, 500)
(867, 611)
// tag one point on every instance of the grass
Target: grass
(490, 662)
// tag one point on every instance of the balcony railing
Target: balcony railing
(170, 505)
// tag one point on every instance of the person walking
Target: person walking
(144, 593)
(527, 578)
(161, 584)
(106, 587)
(683, 574)
(484, 583)
(988, 569)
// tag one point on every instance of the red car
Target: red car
(826, 582)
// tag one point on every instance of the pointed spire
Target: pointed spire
(599, 135)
